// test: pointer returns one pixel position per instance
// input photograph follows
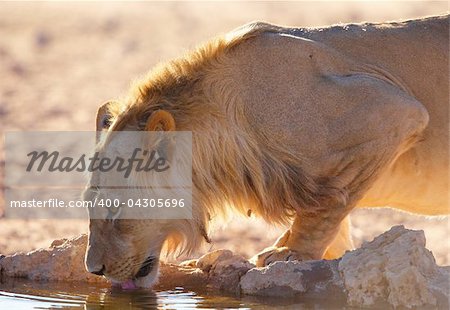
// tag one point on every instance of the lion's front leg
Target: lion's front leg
(308, 238)
(363, 143)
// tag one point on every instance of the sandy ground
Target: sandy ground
(59, 61)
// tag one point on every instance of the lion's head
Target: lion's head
(127, 250)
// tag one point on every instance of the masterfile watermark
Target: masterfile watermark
(55, 162)
(72, 174)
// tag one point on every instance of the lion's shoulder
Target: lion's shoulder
(252, 30)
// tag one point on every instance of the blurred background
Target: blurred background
(60, 61)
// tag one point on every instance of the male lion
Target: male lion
(296, 126)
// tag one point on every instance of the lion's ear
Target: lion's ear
(103, 119)
(160, 120)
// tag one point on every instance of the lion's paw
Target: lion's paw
(275, 254)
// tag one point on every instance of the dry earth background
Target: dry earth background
(59, 61)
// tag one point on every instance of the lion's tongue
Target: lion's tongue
(128, 285)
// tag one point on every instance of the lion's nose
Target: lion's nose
(98, 272)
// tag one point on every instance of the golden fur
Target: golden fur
(240, 181)
(250, 154)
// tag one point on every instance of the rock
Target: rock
(395, 268)
(293, 278)
(58, 242)
(172, 275)
(64, 261)
(224, 269)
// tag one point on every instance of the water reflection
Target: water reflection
(23, 294)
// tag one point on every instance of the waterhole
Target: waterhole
(21, 294)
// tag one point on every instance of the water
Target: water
(16, 294)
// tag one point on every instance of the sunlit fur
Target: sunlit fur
(234, 168)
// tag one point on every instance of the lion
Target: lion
(296, 126)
